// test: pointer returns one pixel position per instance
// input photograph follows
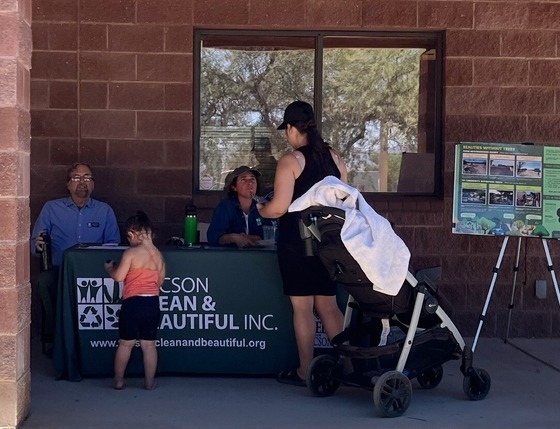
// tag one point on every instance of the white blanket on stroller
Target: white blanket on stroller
(368, 237)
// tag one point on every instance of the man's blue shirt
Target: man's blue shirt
(68, 225)
(228, 218)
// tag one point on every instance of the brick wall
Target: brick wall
(112, 85)
(15, 291)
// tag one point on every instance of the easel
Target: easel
(516, 269)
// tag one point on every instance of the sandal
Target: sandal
(291, 377)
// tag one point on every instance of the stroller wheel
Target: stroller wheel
(431, 377)
(320, 376)
(392, 394)
(476, 384)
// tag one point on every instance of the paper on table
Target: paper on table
(104, 247)
(266, 243)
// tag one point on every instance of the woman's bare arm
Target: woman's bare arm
(287, 171)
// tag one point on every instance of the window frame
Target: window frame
(433, 39)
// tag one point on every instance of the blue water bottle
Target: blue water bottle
(191, 225)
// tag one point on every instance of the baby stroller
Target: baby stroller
(387, 340)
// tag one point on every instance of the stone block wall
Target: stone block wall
(15, 291)
(112, 85)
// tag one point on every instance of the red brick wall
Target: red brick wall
(112, 85)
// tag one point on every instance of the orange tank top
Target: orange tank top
(141, 281)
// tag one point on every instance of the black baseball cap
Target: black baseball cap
(298, 111)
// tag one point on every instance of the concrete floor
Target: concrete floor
(525, 393)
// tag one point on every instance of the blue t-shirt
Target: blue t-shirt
(68, 225)
(228, 218)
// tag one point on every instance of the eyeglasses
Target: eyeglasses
(85, 178)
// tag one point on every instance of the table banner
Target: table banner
(223, 311)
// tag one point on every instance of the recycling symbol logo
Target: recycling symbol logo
(90, 318)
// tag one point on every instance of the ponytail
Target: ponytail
(320, 149)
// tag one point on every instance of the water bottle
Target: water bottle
(46, 253)
(191, 225)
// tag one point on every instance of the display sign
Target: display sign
(507, 189)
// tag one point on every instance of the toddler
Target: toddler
(142, 269)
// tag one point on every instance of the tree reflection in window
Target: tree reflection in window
(376, 96)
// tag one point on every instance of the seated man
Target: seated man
(69, 221)
(236, 220)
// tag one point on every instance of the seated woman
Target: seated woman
(236, 220)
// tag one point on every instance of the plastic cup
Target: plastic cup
(269, 233)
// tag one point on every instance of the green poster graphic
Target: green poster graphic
(507, 189)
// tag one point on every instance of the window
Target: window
(377, 98)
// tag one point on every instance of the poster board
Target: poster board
(507, 189)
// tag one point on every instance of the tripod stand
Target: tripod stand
(516, 269)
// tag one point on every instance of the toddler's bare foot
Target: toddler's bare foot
(118, 384)
(150, 385)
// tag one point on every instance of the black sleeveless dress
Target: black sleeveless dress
(302, 275)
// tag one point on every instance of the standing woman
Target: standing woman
(305, 280)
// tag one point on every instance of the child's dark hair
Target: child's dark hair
(139, 222)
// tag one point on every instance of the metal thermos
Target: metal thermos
(191, 225)
(46, 253)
